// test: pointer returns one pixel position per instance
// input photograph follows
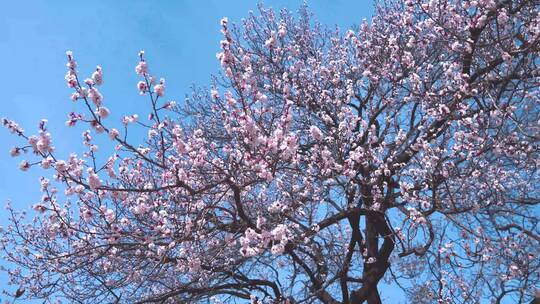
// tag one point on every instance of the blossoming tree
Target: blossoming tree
(318, 164)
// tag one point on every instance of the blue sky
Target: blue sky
(180, 38)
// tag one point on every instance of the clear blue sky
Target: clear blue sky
(180, 38)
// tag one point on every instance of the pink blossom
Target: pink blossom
(96, 96)
(159, 89)
(72, 64)
(93, 179)
(86, 214)
(32, 141)
(315, 133)
(142, 68)
(39, 208)
(277, 249)
(282, 30)
(71, 79)
(142, 87)
(113, 133)
(224, 21)
(271, 41)
(83, 92)
(102, 112)
(371, 260)
(60, 166)
(24, 165)
(97, 76)
(43, 144)
(130, 119)
(89, 82)
(15, 151)
(109, 215)
(12, 126)
(214, 94)
(46, 163)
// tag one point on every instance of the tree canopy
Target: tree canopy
(317, 164)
